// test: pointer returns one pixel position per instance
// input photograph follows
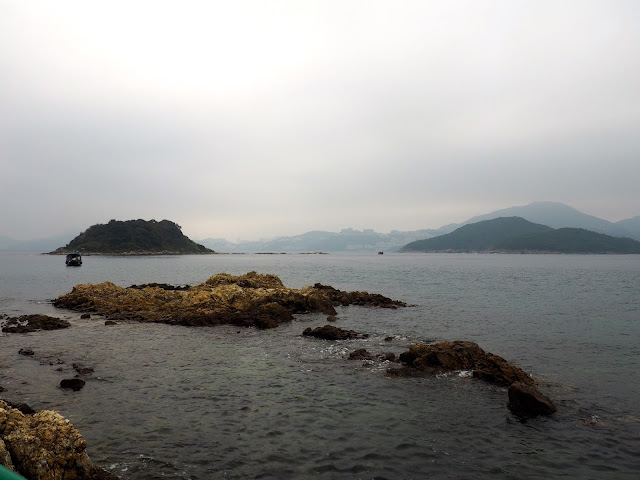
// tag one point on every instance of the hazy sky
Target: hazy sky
(249, 119)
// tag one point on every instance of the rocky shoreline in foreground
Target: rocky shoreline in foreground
(38, 445)
(44, 446)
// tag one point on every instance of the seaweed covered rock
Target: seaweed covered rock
(247, 300)
(44, 446)
(33, 323)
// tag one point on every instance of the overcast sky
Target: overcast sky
(253, 119)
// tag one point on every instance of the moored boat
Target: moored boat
(73, 260)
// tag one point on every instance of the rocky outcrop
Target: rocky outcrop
(329, 332)
(33, 323)
(247, 300)
(526, 400)
(44, 446)
(366, 299)
(443, 357)
(463, 355)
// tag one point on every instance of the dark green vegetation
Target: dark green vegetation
(515, 234)
(134, 237)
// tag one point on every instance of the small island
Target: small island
(133, 237)
(517, 235)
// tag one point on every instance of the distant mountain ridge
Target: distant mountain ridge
(553, 214)
(515, 234)
(133, 237)
(347, 240)
(559, 215)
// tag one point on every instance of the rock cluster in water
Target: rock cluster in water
(32, 323)
(248, 300)
(44, 446)
(442, 357)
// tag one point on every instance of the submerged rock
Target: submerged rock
(329, 332)
(247, 300)
(33, 323)
(44, 446)
(74, 384)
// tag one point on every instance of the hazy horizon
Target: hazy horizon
(247, 120)
(73, 234)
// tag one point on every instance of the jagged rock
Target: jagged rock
(329, 332)
(32, 323)
(339, 297)
(463, 355)
(74, 384)
(247, 300)
(527, 400)
(524, 398)
(45, 446)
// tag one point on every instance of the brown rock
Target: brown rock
(527, 400)
(33, 323)
(363, 354)
(463, 355)
(22, 407)
(247, 300)
(360, 354)
(74, 384)
(44, 446)
(329, 332)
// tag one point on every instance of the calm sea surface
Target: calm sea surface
(208, 403)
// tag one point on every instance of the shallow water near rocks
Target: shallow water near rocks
(224, 402)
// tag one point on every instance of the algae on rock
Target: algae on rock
(252, 299)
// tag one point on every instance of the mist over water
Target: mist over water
(223, 402)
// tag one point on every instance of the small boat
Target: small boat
(380, 253)
(73, 260)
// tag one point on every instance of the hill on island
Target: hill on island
(555, 215)
(134, 237)
(515, 234)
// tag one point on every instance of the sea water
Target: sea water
(225, 402)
